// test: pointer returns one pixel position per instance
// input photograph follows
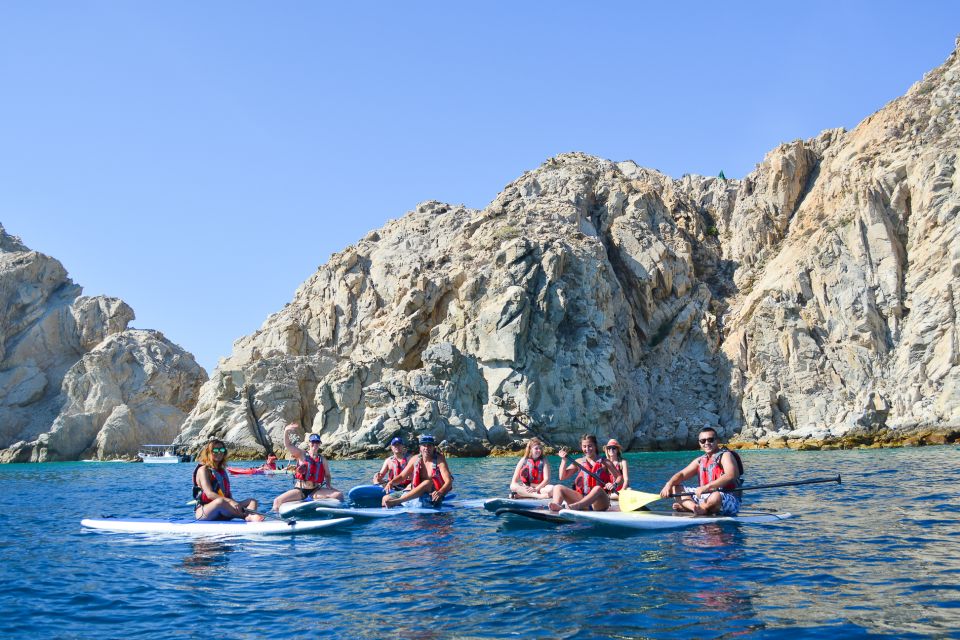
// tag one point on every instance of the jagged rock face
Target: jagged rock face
(812, 299)
(74, 381)
(575, 302)
(852, 322)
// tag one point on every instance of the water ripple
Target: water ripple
(868, 558)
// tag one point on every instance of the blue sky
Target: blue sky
(200, 159)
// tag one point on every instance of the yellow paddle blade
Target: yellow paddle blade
(631, 500)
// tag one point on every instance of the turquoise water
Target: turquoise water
(877, 556)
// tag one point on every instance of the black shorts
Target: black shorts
(305, 493)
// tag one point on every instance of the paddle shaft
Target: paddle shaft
(595, 476)
(765, 486)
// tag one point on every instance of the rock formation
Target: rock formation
(810, 302)
(74, 381)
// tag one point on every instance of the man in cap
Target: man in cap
(427, 473)
(312, 471)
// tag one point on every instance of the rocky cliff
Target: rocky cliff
(809, 304)
(74, 381)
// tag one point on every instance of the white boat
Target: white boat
(161, 454)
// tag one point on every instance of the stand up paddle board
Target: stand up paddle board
(665, 519)
(211, 527)
(495, 504)
(535, 513)
(301, 507)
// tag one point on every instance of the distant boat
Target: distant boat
(162, 454)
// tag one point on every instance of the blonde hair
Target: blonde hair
(205, 457)
(531, 443)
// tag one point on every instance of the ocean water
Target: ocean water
(878, 556)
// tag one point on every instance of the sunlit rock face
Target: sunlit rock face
(810, 303)
(75, 382)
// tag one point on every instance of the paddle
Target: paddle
(631, 500)
(595, 476)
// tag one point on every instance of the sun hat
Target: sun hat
(427, 439)
(396, 441)
(613, 443)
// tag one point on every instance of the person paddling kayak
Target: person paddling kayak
(312, 471)
(211, 488)
(270, 464)
(587, 492)
(531, 478)
(427, 473)
(718, 468)
(393, 465)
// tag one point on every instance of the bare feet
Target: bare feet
(254, 517)
(555, 507)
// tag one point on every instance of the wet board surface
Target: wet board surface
(213, 528)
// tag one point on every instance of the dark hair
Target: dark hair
(592, 438)
(710, 429)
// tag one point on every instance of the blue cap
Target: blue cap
(314, 437)
(427, 439)
(396, 441)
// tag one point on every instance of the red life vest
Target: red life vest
(421, 468)
(394, 466)
(310, 470)
(584, 481)
(221, 484)
(710, 468)
(617, 464)
(532, 472)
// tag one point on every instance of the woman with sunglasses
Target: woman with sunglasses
(717, 468)
(211, 488)
(614, 454)
(312, 472)
(428, 474)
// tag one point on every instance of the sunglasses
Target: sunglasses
(706, 440)
(219, 449)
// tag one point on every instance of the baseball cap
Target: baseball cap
(314, 437)
(396, 441)
(427, 439)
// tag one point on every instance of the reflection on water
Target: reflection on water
(208, 556)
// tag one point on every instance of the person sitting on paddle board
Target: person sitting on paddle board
(427, 473)
(718, 468)
(531, 478)
(312, 472)
(211, 488)
(393, 465)
(587, 492)
(614, 454)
